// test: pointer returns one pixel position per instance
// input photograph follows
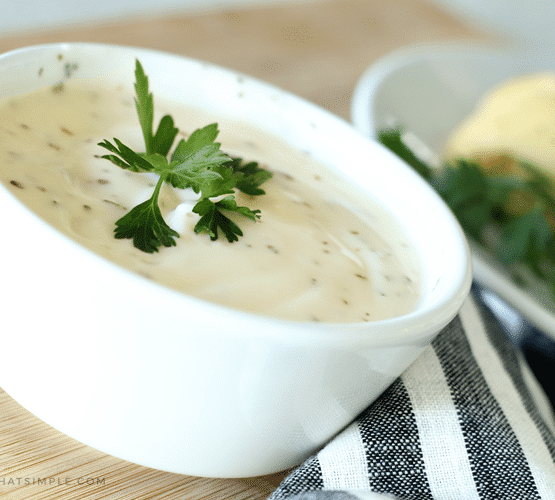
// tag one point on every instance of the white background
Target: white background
(525, 19)
(20, 16)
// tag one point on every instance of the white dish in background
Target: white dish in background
(204, 389)
(429, 90)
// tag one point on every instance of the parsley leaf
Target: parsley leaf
(251, 176)
(162, 141)
(125, 157)
(146, 226)
(191, 157)
(212, 218)
(197, 163)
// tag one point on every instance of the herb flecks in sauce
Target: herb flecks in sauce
(299, 282)
(197, 163)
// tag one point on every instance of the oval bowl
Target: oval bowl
(168, 381)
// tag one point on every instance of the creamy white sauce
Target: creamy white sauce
(316, 254)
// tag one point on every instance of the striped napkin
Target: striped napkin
(467, 420)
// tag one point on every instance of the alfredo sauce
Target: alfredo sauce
(318, 253)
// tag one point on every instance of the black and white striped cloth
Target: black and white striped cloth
(465, 421)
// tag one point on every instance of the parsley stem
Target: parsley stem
(158, 187)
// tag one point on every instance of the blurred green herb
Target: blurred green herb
(197, 163)
(392, 139)
(509, 208)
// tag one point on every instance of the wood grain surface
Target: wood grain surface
(315, 49)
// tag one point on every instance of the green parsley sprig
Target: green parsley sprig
(510, 211)
(197, 163)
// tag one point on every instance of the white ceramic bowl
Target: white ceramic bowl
(429, 90)
(201, 389)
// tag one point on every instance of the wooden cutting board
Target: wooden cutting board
(316, 49)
